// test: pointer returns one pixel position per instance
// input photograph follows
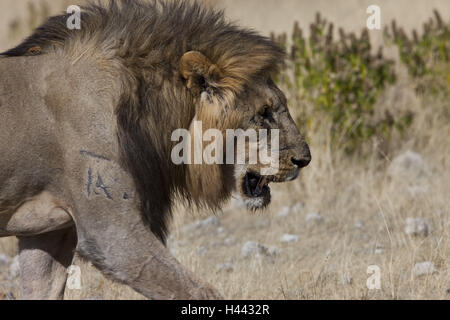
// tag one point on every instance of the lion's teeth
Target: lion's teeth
(264, 182)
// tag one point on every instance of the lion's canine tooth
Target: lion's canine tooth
(263, 182)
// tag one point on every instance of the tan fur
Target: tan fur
(86, 136)
(41, 214)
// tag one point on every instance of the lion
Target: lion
(87, 117)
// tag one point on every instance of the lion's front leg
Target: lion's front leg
(44, 260)
(116, 238)
(128, 252)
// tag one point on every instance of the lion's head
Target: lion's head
(223, 103)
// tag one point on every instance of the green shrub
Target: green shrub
(341, 80)
(426, 56)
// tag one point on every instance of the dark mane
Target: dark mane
(148, 39)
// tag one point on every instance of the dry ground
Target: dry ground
(364, 204)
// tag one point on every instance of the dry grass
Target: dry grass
(344, 191)
(331, 259)
(19, 17)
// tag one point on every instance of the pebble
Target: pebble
(284, 212)
(4, 259)
(417, 227)
(290, 238)
(14, 268)
(314, 217)
(226, 267)
(251, 248)
(202, 224)
(424, 268)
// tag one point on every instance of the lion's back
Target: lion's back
(26, 132)
(50, 110)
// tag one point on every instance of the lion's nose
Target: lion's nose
(304, 160)
(301, 163)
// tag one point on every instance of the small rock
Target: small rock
(4, 260)
(298, 207)
(314, 217)
(14, 268)
(379, 249)
(10, 297)
(410, 170)
(418, 190)
(447, 291)
(365, 237)
(409, 166)
(229, 241)
(289, 238)
(424, 268)
(237, 203)
(273, 251)
(262, 223)
(210, 222)
(226, 267)
(284, 212)
(359, 224)
(202, 251)
(255, 249)
(251, 249)
(417, 227)
(296, 293)
(346, 279)
(382, 228)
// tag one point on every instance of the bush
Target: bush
(426, 56)
(342, 80)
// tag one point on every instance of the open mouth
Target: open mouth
(256, 188)
(256, 185)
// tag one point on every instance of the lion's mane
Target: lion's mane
(146, 41)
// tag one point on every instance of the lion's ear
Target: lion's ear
(199, 72)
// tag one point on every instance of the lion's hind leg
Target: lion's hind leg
(44, 260)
